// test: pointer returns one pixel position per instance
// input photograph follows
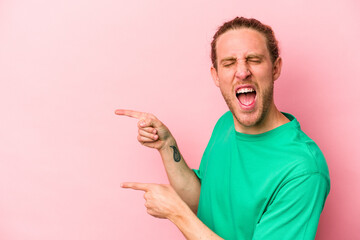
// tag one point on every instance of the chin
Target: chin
(249, 119)
(245, 119)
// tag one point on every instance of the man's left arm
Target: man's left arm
(295, 211)
(163, 202)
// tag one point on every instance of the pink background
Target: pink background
(65, 66)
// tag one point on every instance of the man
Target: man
(260, 177)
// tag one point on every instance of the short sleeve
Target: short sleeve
(200, 172)
(295, 210)
(197, 173)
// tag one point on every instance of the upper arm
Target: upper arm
(295, 211)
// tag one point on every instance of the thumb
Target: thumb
(150, 122)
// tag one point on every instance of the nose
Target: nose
(242, 70)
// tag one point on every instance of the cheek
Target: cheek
(264, 77)
(225, 77)
(225, 84)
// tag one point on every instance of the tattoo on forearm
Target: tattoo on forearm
(177, 156)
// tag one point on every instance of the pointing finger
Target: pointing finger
(129, 113)
(136, 186)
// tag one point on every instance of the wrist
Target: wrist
(181, 215)
(169, 142)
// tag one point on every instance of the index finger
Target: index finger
(136, 186)
(129, 113)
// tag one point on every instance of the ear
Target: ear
(277, 68)
(215, 76)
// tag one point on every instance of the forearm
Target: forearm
(181, 177)
(191, 226)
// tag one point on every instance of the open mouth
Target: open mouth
(246, 96)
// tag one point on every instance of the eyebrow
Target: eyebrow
(228, 59)
(252, 55)
(255, 56)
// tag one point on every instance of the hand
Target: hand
(161, 200)
(152, 132)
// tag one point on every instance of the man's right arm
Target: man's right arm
(154, 134)
(181, 177)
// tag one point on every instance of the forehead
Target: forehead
(240, 42)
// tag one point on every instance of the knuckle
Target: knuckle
(152, 116)
(146, 196)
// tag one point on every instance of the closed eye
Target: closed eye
(228, 63)
(254, 59)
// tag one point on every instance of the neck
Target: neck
(273, 119)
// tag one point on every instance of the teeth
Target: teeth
(245, 90)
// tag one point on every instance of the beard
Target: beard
(256, 116)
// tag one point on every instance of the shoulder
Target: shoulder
(226, 120)
(224, 125)
(316, 157)
(307, 158)
(222, 129)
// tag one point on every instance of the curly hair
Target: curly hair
(241, 22)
